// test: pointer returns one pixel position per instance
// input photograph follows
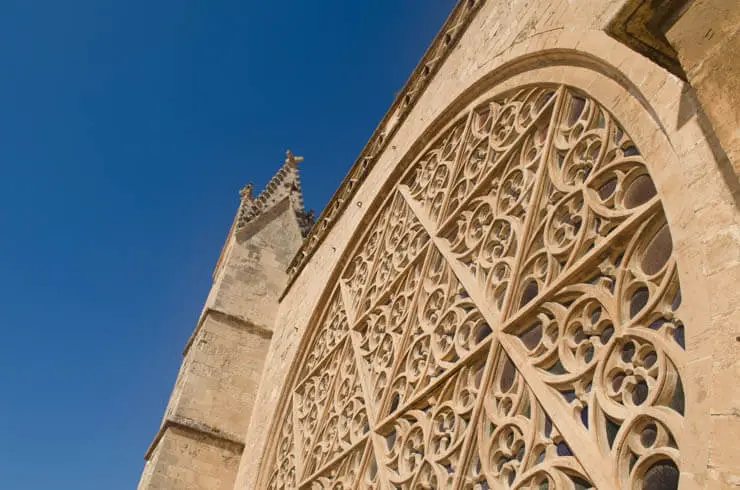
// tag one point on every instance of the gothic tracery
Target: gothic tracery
(511, 319)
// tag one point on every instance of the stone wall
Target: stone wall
(526, 41)
(201, 437)
(189, 459)
(220, 375)
(706, 38)
(252, 272)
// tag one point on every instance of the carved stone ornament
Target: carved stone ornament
(286, 183)
(511, 319)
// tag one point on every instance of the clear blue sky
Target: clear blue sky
(126, 129)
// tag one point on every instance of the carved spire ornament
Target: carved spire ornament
(247, 192)
(291, 159)
(285, 184)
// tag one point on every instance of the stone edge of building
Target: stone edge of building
(445, 41)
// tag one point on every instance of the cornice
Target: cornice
(197, 430)
(405, 101)
(641, 25)
(228, 319)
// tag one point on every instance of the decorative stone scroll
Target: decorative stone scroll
(510, 319)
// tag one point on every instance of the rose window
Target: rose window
(510, 319)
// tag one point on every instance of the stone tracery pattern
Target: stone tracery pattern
(441, 47)
(346, 419)
(445, 327)
(510, 319)
(516, 444)
(333, 327)
(283, 476)
(403, 240)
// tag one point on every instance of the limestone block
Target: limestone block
(186, 460)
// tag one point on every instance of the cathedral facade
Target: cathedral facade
(528, 279)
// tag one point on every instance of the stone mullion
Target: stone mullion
(588, 259)
(486, 176)
(596, 464)
(375, 421)
(335, 460)
(377, 445)
(354, 344)
(516, 352)
(455, 166)
(593, 462)
(377, 448)
(427, 390)
(467, 450)
(478, 297)
(373, 418)
(491, 345)
(346, 302)
(366, 459)
(463, 275)
(392, 285)
(343, 345)
(387, 204)
(406, 327)
(371, 415)
(597, 467)
(537, 190)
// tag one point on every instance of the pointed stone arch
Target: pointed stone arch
(636, 110)
(511, 316)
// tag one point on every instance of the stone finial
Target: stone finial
(292, 159)
(247, 192)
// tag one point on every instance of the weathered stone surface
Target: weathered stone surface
(707, 40)
(511, 44)
(189, 459)
(685, 130)
(251, 275)
(201, 437)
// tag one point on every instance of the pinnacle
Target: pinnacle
(286, 183)
(247, 192)
(291, 159)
